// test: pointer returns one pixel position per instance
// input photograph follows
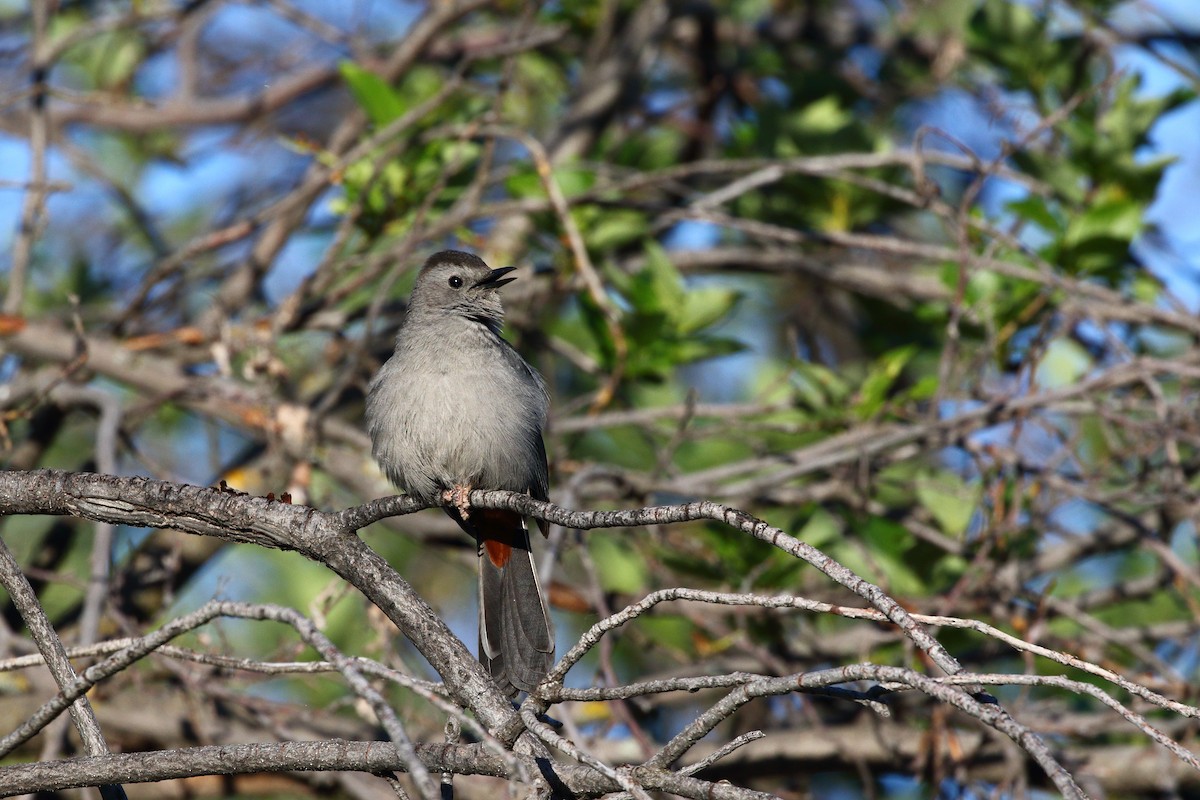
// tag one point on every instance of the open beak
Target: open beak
(495, 279)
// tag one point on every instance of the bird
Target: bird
(457, 408)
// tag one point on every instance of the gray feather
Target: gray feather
(456, 405)
(516, 638)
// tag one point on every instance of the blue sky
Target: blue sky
(197, 187)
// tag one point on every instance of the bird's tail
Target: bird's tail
(516, 638)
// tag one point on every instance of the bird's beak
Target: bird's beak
(495, 279)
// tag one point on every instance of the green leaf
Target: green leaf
(596, 325)
(526, 183)
(1038, 210)
(950, 500)
(712, 450)
(613, 229)
(621, 567)
(873, 392)
(925, 388)
(704, 306)
(661, 286)
(669, 631)
(1146, 288)
(1065, 362)
(574, 181)
(1112, 220)
(821, 530)
(818, 387)
(373, 93)
(1094, 445)
(823, 117)
(891, 548)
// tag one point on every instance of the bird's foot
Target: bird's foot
(459, 497)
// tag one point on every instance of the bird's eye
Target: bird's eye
(455, 282)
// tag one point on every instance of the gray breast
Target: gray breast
(470, 414)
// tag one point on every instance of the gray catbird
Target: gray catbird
(457, 408)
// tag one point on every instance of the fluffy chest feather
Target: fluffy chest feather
(460, 408)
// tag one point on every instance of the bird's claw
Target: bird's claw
(460, 498)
